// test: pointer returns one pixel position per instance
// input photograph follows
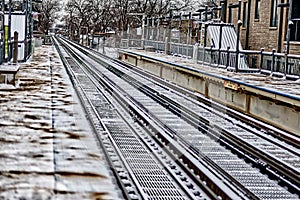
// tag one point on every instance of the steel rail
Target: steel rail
(207, 179)
(265, 160)
(191, 196)
(143, 86)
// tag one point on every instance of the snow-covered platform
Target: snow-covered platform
(48, 149)
(271, 99)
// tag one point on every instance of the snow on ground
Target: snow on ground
(260, 80)
(47, 147)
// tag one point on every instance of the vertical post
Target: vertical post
(2, 47)
(211, 55)
(248, 24)
(261, 58)
(165, 27)
(287, 52)
(223, 11)
(206, 10)
(15, 49)
(168, 45)
(143, 31)
(179, 27)
(230, 14)
(27, 34)
(158, 29)
(239, 9)
(205, 35)
(220, 43)
(228, 55)
(189, 28)
(273, 61)
(9, 31)
(195, 53)
(205, 42)
(103, 47)
(152, 28)
(147, 26)
(199, 33)
(288, 38)
(238, 45)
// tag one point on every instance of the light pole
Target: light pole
(168, 39)
(238, 46)
(288, 37)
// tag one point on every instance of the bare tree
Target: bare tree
(102, 15)
(48, 10)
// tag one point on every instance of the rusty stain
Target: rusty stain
(94, 155)
(80, 174)
(98, 195)
(4, 140)
(34, 117)
(72, 135)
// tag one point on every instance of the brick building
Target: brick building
(265, 23)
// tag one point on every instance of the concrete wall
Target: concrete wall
(280, 115)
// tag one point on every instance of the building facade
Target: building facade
(266, 23)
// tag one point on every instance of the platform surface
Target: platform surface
(273, 84)
(48, 149)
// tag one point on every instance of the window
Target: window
(257, 9)
(245, 9)
(295, 29)
(274, 16)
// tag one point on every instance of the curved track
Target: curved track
(242, 161)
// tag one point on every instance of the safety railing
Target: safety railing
(242, 61)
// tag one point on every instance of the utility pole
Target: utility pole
(288, 37)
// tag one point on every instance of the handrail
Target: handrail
(249, 60)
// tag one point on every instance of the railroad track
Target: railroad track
(240, 158)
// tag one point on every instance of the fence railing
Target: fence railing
(242, 61)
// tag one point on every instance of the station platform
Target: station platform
(268, 98)
(48, 148)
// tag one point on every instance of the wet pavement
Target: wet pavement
(47, 147)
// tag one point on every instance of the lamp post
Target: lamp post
(288, 37)
(168, 39)
(288, 34)
(238, 46)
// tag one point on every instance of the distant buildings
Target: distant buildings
(265, 23)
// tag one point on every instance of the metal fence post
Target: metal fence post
(195, 53)
(152, 28)
(166, 45)
(210, 57)
(143, 31)
(261, 58)
(15, 47)
(189, 28)
(238, 45)
(227, 56)
(273, 61)
(158, 29)
(220, 43)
